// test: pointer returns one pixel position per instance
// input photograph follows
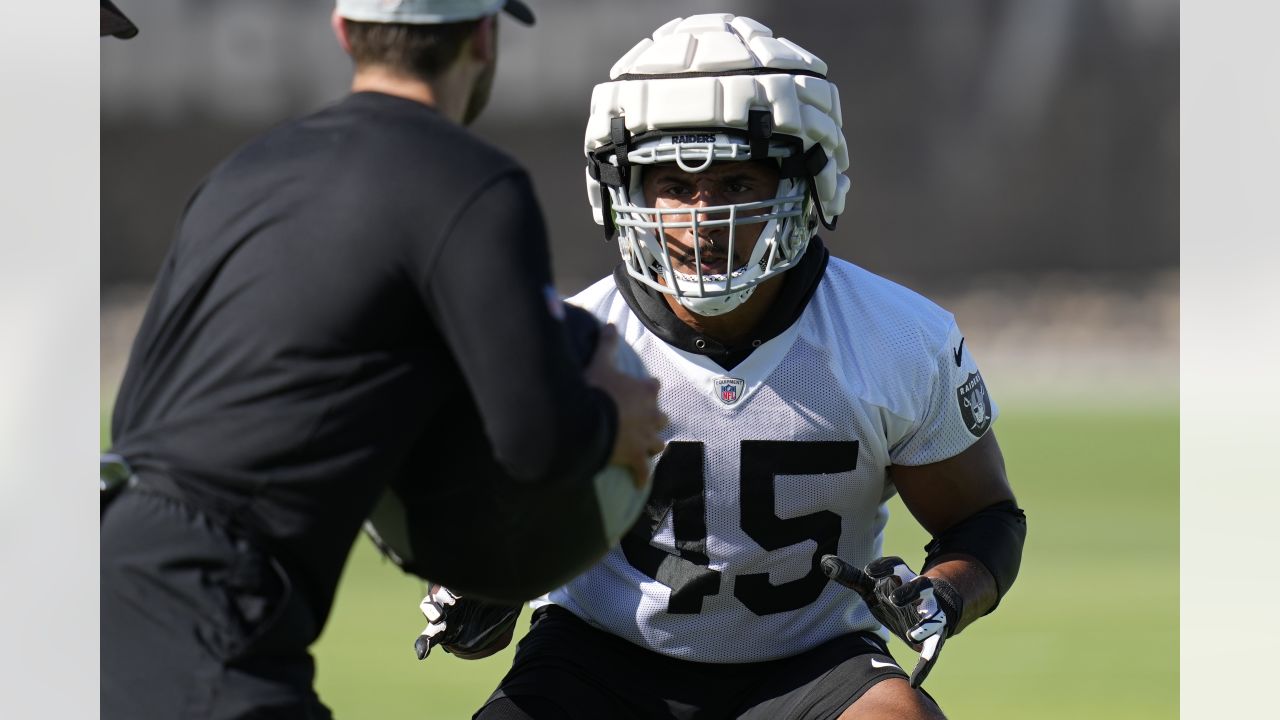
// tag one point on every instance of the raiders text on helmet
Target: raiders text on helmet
(712, 88)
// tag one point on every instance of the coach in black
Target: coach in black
(342, 295)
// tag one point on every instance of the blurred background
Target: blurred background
(1015, 160)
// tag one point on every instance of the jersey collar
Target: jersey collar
(652, 309)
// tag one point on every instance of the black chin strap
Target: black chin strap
(608, 174)
(808, 166)
(759, 130)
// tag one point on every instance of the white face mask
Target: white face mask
(781, 243)
(717, 305)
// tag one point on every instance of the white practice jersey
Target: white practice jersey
(772, 465)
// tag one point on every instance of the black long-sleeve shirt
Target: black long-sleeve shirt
(340, 291)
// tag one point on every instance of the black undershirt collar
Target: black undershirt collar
(798, 286)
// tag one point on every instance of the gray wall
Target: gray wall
(986, 136)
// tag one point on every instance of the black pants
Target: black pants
(567, 670)
(197, 623)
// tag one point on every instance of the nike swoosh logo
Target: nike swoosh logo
(958, 351)
(877, 664)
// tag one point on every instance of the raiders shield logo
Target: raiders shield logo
(975, 406)
(728, 389)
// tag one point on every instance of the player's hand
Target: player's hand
(469, 629)
(639, 419)
(903, 602)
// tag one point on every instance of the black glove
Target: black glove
(469, 629)
(921, 611)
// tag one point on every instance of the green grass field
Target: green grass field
(1089, 631)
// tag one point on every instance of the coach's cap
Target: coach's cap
(115, 23)
(430, 12)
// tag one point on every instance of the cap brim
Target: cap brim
(115, 23)
(519, 11)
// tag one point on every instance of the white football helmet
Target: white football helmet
(711, 88)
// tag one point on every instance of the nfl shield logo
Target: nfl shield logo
(728, 389)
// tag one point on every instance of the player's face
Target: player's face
(724, 183)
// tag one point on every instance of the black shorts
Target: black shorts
(197, 623)
(564, 668)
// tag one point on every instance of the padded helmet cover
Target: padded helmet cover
(712, 73)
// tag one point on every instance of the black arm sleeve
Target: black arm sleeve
(490, 290)
(994, 536)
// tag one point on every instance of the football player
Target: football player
(803, 393)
